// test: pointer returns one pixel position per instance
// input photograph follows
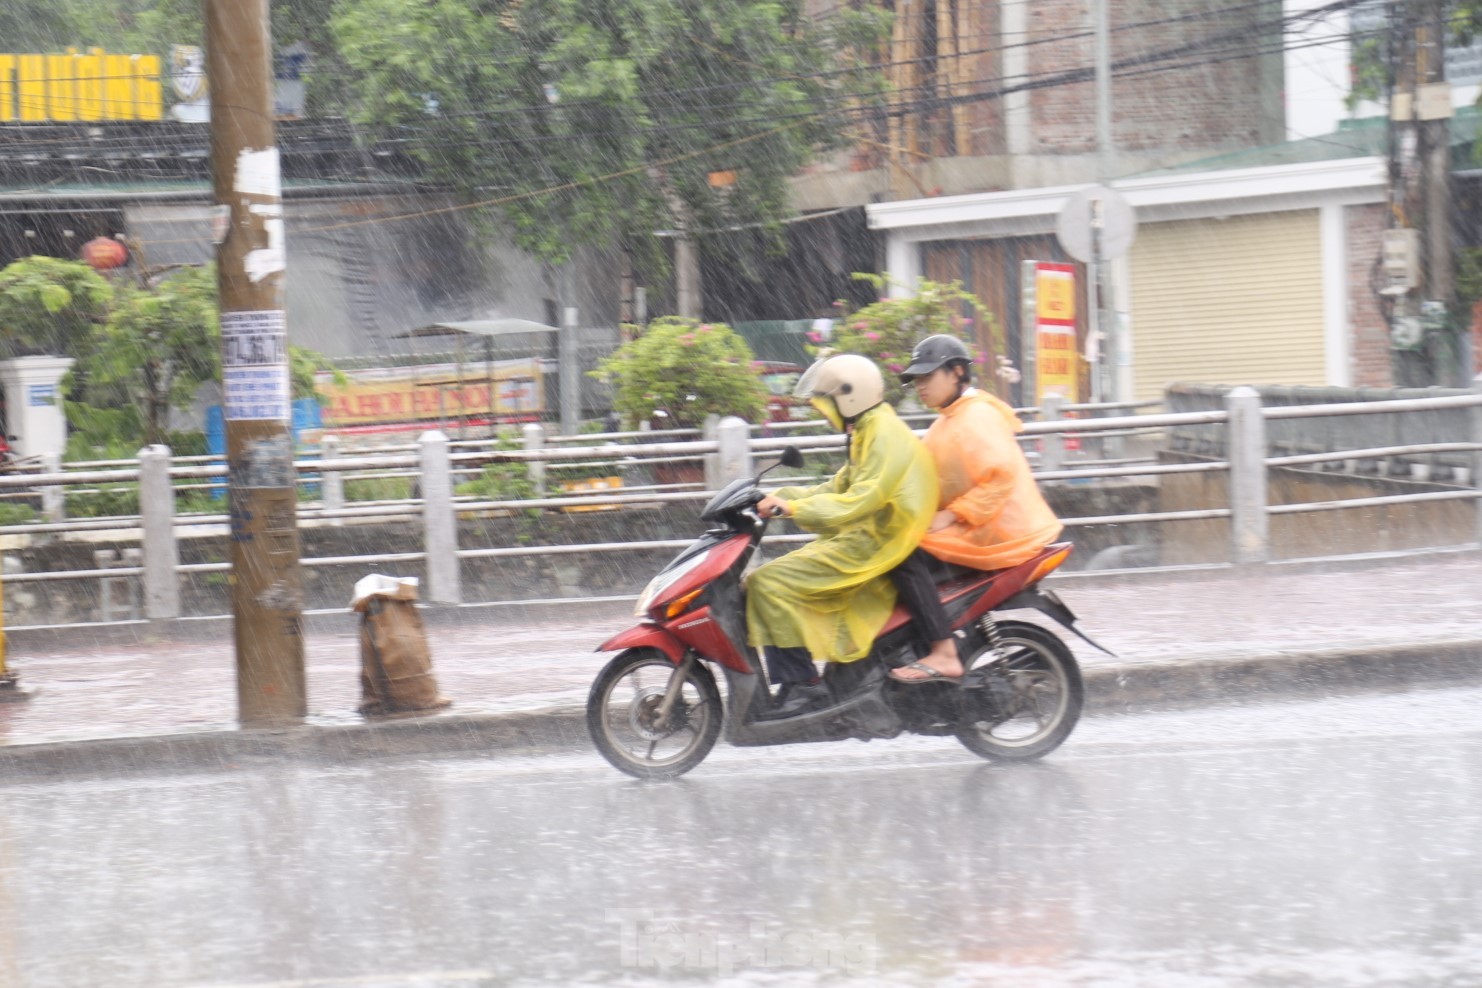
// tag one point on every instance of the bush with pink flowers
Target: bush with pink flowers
(686, 369)
(887, 330)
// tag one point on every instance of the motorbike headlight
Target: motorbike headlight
(663, 582)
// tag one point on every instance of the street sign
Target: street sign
(1076, 224)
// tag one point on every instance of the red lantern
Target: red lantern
(104, 254)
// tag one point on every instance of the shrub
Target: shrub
(886, 331)
(689, 370)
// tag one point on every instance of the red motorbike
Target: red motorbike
(655, 710)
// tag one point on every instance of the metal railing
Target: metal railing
(728, 451)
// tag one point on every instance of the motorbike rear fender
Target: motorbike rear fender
(646, 636)
(1047, 602)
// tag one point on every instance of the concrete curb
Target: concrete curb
(1122, 689)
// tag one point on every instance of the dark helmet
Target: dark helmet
(933, 352)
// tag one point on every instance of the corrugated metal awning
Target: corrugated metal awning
(480, 327)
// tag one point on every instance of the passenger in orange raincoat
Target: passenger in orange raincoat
(991, 513)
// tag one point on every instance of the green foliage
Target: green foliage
(15, 513)
(598, 121)
(886, 331)
(1371, 52)
(187, 443)
(161, 343)
(1469, 274)
(101, 433)
(51, 306)
(378, 488)
(103, 501)
(141, 349)
(689, 370)
(501, 481)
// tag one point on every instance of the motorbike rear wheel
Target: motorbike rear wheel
(1039, 700)
(623, 707)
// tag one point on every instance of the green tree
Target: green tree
(622, 108)
(887, 330)
(52, 306)
(163, 340)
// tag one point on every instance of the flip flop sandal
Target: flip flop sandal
(932, 675)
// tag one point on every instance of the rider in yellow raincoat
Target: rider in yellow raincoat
(833, 595)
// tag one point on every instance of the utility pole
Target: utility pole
(267, 588)
(1420, 196)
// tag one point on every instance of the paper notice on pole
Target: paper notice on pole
(258, 172)
(255, 366)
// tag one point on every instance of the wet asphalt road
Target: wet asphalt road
(1331, 843)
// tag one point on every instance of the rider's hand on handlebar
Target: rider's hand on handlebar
(772, 507)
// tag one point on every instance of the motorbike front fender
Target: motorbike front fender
(646, 636)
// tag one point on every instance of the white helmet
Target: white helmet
(853, 382)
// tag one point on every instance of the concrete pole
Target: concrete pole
(1476, 461)
(161, 557)
(1246, 443)
(1435, 127)
(267, 584)
(733, 460)
(1103, 90)
(331, 482)
(439, 520)
(570, 370)
(534, 438)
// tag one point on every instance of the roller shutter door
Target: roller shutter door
(1232, 301)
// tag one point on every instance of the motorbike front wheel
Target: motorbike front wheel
(1031, 699)
(623, 711)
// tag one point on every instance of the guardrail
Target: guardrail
(729, 452)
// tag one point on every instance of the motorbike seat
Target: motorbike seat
(963, 581)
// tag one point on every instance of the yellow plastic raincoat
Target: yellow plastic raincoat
(1002, 518)
(833, 595)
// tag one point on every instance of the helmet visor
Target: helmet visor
(806, 383)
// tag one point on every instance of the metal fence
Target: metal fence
(1107, 442)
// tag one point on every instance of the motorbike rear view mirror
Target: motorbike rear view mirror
(790, 458)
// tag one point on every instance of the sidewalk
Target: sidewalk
(518, 678)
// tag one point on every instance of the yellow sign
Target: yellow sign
(1055, 294)
(1056, 360)
(94, 86)
(383, 396)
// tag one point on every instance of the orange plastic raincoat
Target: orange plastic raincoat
(834, 595)
(1002, 518)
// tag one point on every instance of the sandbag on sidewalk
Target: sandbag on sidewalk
(395, 663)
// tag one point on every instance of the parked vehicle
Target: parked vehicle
(781, 377)
(656, 711)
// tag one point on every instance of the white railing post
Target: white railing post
(439, 520)
(534, 438)
(733, 459)
(105, 559)
(710, 432)
(1052, 446)
(1246, 448)
(161, 557)
(53, 496)
(331, 482)
(1476, 460)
